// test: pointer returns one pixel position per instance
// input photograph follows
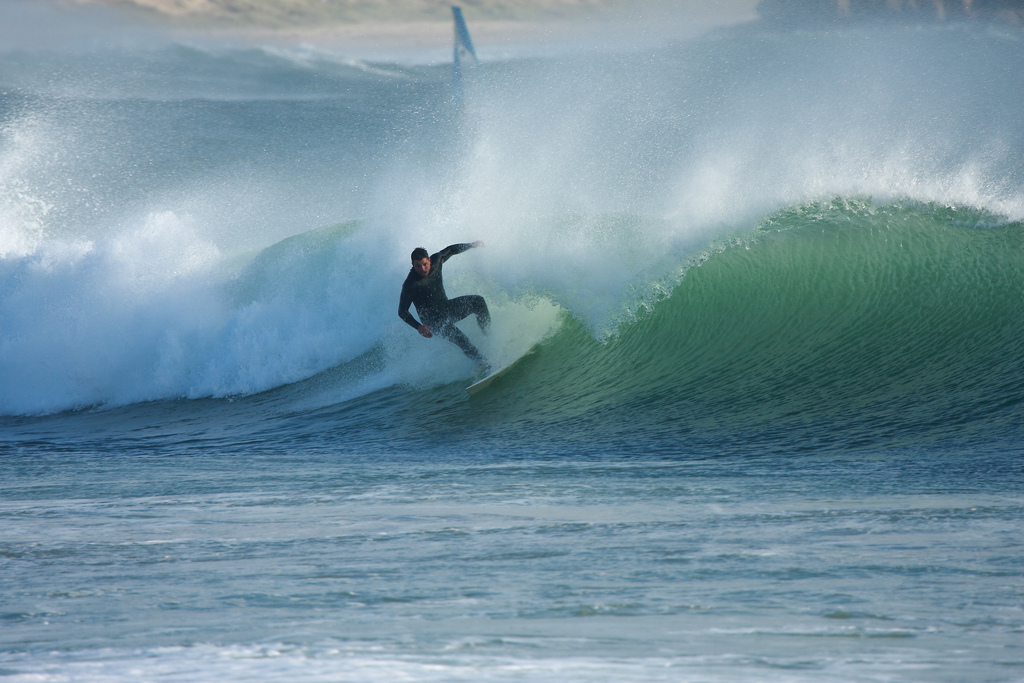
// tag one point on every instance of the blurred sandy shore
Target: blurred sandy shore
(282, 14)
(414, 23)
(425, 24)
(417, 25)
(410, 35)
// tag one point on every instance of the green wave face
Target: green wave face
(840, 323)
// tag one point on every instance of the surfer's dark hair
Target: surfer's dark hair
(419, 253)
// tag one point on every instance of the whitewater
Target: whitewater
(770, 428)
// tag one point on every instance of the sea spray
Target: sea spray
(191, 254)
(770, 427)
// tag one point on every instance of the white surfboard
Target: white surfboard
(486, 381)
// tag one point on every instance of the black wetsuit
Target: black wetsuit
(435, 308)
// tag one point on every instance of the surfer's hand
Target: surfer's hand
(425, 331)
(478, 243)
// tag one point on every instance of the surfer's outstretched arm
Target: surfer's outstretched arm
(453, 249)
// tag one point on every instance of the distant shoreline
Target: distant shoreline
(409, 35)
(425, 25)
(292, 15)
(374, 16)
(365, 25)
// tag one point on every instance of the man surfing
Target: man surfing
(424, 287)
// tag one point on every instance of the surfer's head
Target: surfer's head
(421, 261)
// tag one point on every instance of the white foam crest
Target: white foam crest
(83, 317)
(166, 248)
(22, 214)
(311, 318)
(148, 314)
(740, 180)
(21, 220)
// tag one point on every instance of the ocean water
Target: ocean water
(770, 426)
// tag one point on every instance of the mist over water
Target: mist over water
(137, 183)
(768, 428)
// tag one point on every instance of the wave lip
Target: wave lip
(846, 319)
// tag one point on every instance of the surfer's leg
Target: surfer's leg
(462, 306)
(453, 334)
(483, 316)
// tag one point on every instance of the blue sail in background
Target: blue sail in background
(463, 51)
